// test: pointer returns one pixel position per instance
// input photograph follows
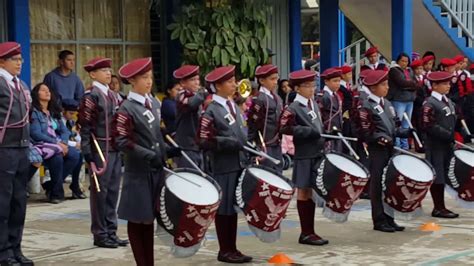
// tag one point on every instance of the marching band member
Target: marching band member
(264, 114)
(439, 121)
(346, 95)
(95, 118)
(302, 120)
(14, 141)
(137, 134)
(372, 54)
(190, 100)
(331, 105)
(221, 135)
(378, 128)
(449, 65)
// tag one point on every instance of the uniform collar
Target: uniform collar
(103, 88)
(223, 101)
(365, 89)
(344, 84)
(438, 96)
(8, 77)
(328, 90)
(375, 98)
(266, 91)
(374, 66)
(137, 97)
(303, 100)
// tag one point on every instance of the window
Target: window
(119, 29)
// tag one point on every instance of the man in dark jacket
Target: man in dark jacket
(402, 93)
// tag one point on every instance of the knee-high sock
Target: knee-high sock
(232, 232)
(148, 243)
(306, 210)
(437, 193)
(222, 228)
(135, 235)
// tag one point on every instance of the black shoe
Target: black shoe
(105, 243)
(312, 239)
(384, 228)
(444, 214)
(245, 257)
(364, 195)
(120, 242)
(78, 195)
(231, 257)
(396, 226)
(9, 262)
(24, 261)
(54, 201)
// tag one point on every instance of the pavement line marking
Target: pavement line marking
(59, 254)
(449, 258)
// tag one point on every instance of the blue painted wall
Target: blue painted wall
(294, 10)
(402, 27)
(19, 31)
(329, 32)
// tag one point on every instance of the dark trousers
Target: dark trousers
(196, 157)
(104, 203)
(379, 157)
(60, 167)
(13, 178)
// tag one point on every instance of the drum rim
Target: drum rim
(347, 157)
(194, 171)
(422, 159)
(273, 171)
(462, 149)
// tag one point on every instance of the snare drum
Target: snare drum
(461, 177)
(186, 210)
(264, 195)
(338, 182)
(405, 181)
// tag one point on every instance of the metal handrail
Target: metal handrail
(352, 44)
(465, 9)
(346, 53)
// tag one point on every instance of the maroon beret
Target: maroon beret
(345, 69)
(365, 72)
(301, 76)
(417, 63)
(134, 68)
(186, 71)
(9, 49)
(98, 63)
(439, 76)
(447, 62)
(428, 58)
(458, 58)
(330, 73)
(265, 71)
(375, 77)
(220, 74)
(371, 50)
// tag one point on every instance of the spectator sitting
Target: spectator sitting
(168, 108)
(64, 83)
(116, 86)
(50, 136)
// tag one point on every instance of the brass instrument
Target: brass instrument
(244, 88)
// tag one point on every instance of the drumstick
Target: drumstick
(417, 139)
(365, 148)
(406, 152)
(168, 137)
(96, 181)
(349, 147)
(337, 137)
(262, 141)
(97, 147)
(464, 146)
(464, 125)
(180, 176)
(262, 154)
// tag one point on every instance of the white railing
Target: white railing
(353, 55)
(461, 12)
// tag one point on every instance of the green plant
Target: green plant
(222, 35)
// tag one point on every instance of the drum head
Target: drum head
(414, 168)
(270, 178)
(346, 165)
(466, 156)
(204, 194)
